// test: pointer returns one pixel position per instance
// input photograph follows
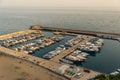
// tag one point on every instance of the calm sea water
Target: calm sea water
(106, 61)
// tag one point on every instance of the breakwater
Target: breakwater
(105, 35)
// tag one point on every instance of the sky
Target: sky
(61, 3)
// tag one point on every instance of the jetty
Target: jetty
(113, 36)
(17, 34)
(70, 50)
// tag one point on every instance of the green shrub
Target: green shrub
(107, 77)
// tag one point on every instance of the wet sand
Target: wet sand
(16, 69)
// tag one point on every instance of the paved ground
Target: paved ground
(16, 69)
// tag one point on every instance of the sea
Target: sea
(106, 61)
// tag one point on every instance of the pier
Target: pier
(84, 32)
(70, 50)
(17, 34)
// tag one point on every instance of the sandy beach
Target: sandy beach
(16, 69)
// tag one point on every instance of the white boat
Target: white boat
(74, 59)
(114, 73)
(84, 54)
(118, 70)
(118, 39)
(81, 57)
(66, 61)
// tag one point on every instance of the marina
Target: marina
(32, 47)
(55, 51)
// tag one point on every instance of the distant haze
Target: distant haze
(113, 4)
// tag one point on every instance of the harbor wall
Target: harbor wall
(113, 36)
(17, 34)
